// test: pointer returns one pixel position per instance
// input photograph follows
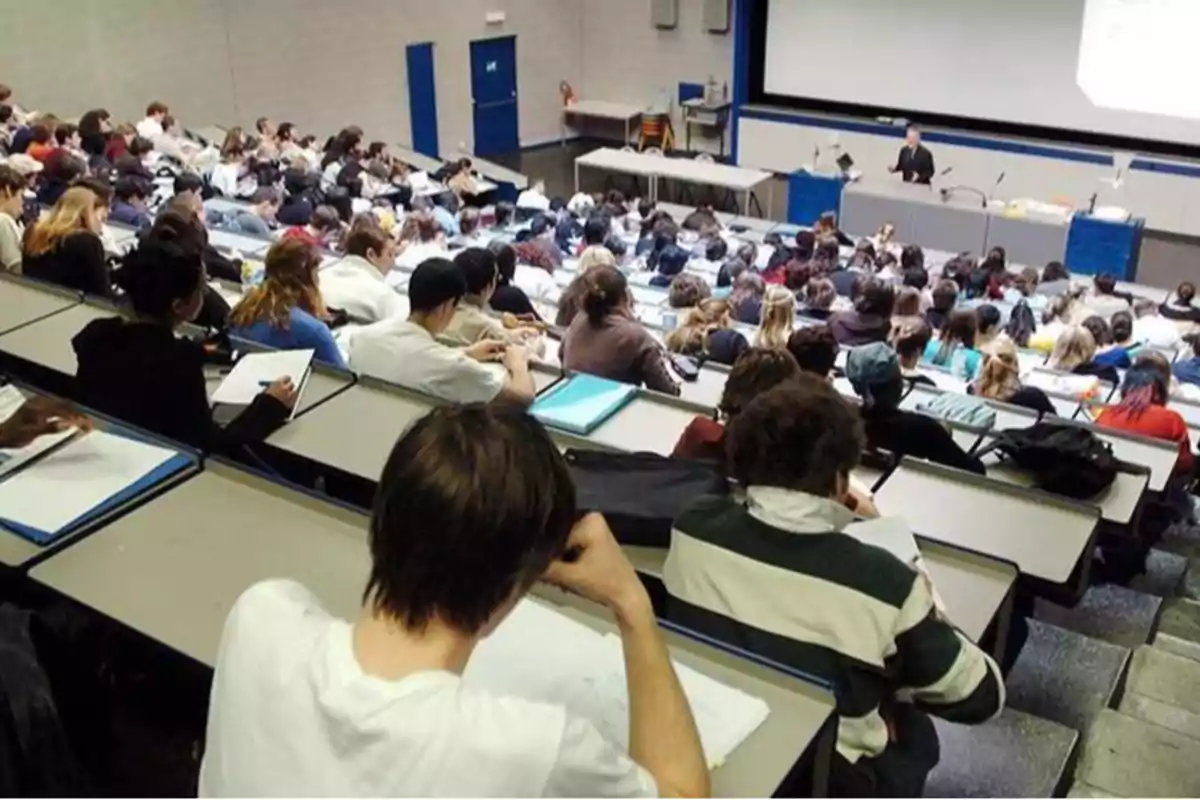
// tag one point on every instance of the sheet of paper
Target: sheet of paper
(584, 671)
(10, 400)
(255, 371)
(76, 478)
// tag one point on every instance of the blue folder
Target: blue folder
(168, 468)
(582, 403)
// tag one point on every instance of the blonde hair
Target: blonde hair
(999, 379)
(74, 212)
(1074, 347)
(290, 282)
(691, 337)
(778, 318)
(596, 256)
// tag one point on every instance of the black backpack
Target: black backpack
(1064, 459)
(640, 494)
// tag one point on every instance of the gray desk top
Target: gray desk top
(973, 587)
(47, 342)
(206, 541)
(354, 431)
(1044, 537)
(20, 304)
(645, 425)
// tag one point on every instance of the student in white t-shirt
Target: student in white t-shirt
(356, 283)
(475, 506)
(152, 126)
(406, 351)
(534, 198)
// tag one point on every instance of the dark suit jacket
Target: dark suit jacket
(915, 167)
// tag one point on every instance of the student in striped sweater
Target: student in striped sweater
(773, 573)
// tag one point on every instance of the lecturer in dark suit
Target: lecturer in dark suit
(915, 163)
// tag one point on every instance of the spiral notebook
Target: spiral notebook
(582, 403)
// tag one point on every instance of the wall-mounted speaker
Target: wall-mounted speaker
(664, 13)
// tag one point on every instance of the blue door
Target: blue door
(422, 99)
(494, 96)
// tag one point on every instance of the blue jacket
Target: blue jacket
(129, 214)
(305, 332)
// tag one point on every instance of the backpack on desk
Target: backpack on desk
(1064, 459)
(640, 494)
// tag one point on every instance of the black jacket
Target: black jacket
(78, 262)
(511, 299)
(853, 329)
(907, 433)
(142, 374)
(915, 167)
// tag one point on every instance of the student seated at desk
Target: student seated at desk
(1154, 330)
(871, 318)
(188, 204)
(778, 318)
(1180, 306)
(668, 263)
(471, 322)
(130, 198)
(534, 198)
(570, 302)
(139, 371)
(910, 342)
(687, 291)
(407, 353)
(815, 350)
(607, 341)
(955, 348)
(1000, 380)
(874, 371)
(1056, 319)
(64, 246)
(707, 332)
(1104, 301)
(1073, 352)
(133, 163)
(746, 299)
(321, 231)
(1143, 410)
(475, 506)
(906, 313)
(1108, 353)
(827, 225)
(1025, 287)
(508, 297)
(12, 204)
(942, 302)
(356, 285)
(61, 171)
(773, 573)
(286, 311)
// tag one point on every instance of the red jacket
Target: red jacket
(1157, 422)
(702, 439)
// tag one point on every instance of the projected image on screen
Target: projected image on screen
(1141, 55)
(1113, 68)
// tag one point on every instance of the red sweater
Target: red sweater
(1157, 422)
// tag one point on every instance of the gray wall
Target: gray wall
(319, 63)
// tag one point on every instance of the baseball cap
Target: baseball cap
(871, 365)
(25, 164)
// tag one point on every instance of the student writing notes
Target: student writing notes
(286, 310)
(137, 370)
(406, 351)
(774, 573)
(474, 506)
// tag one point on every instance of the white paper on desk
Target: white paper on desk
(542, 655)
(894, 534)
(254, 371)
(78, 477)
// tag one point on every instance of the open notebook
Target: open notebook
(540, 654)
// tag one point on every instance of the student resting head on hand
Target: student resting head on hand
(474, 507)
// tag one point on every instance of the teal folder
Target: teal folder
(580, 404)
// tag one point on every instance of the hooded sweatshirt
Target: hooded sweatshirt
(143, 374)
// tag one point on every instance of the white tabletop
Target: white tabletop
(203, 543)
(603, 109)
(1042, 536)
(645, 425)
(736, 178)
(47, 342)
(420, 161)
(621, 161)
(21, 304)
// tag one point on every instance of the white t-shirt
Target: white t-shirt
(404, 353)
(293, 714)
(535, 282)
(355, 286)
(419, 252)
(150, 128)
(1157, 331)
(532, 198)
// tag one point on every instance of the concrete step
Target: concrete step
(1167, 716)
(1165, 677)
(1164, 574)
(1113, 613)
(1180, 647)
(1065, 677)
(1015, 755)
(1183, 539)
(1130, 757)
(1083, 790)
